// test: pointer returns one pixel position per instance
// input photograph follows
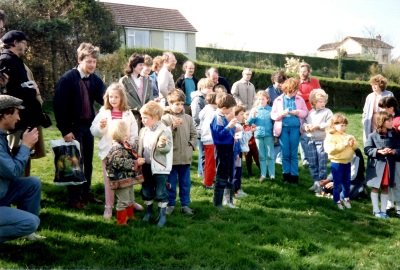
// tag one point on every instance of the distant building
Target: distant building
(150, 27)
(357, 47)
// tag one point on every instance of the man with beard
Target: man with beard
(75, 94)
(306, 85)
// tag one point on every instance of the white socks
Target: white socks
(375, 204)
(384, 201)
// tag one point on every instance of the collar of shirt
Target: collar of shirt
(153, 128)
(244, 81)
(306, 81)
(187, 77)
(83, 75)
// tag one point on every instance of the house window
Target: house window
(138, 38)
(175, 42)
(385, 58)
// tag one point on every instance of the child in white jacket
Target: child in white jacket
(115, 107)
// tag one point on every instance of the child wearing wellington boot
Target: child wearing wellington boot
(120, 166)
(382, 148)
(155, 145)
(223, 131)
(340, 148)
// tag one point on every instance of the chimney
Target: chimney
(378, 37)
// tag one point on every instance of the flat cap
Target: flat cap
(12, 35)
(7, 101)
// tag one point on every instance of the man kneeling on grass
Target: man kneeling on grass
(24, 192)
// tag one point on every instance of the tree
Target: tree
(56, 28)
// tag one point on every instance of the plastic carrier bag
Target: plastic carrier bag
(67, 163)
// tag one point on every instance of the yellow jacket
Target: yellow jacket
(338, 150)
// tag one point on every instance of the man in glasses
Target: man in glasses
(244, 91)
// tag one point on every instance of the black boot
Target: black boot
(286, 178)
(218, 195)
(162, 216)
(295, 180)
(149, 212)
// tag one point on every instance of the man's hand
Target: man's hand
(29, 138)
(69, 137)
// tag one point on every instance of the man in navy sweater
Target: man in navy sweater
(75, 94)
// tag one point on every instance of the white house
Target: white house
(356, 47)
(150, 27)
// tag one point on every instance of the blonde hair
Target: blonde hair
(86, 49)
(123, 106)
(152, 109)
(317, 94)
(261, 93)
(381, 118)
(148, 61)
(157, 63)
(205, 83)
(290, 86)
(118, 130)
(337, 118)
(379, 80)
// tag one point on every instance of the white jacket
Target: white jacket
(206, 115)
(105, 141)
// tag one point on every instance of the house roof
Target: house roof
(149, 17)
(368, 42)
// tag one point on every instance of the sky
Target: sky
(282, 26)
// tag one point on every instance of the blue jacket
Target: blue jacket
(220, 132)
(263, 121)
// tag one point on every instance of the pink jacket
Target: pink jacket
(277, 110)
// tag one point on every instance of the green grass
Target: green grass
(277, 226)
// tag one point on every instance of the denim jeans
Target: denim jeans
(341, 179)
(25, 194)
(265, 147)
(154, 185)
(303, 147)
(289, 141)
(317, 158)
(180, 174)
(200, 162)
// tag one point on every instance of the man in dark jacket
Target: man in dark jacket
(75, 94)
(212, 73)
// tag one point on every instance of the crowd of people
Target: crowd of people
(149, 125)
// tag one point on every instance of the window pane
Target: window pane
(175, 42)
(142, 39)
(130, 42)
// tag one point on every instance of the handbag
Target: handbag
(67, 162)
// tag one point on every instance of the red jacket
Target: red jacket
(305, 89)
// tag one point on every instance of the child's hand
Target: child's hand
(177, 122)
(253, 127)
(162, 140)
(383, 151)
(294, 112)
(285, 112)
(254, 113)
(232, 123)
(103, 123)
(141, 161)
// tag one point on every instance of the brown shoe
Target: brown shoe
(77, 205)
(92, 199)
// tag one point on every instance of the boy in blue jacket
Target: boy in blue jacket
(222, 131)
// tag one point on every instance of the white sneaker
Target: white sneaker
(242, 193)
(108, 212)
(34, 237)
(230, 205)
(340, 206)
(169, 210)
(346, 203)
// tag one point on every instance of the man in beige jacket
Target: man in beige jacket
(244, 91)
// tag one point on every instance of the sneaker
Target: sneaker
(384, 215)
(397, 214)
(346, 203)
(313, 187)
(340, 206)
(34, 237)
(108, 212)
(208, 187)
(262, 178)
(169, 210)
(137, 206)
(272, 177)
(306, 164)
(377, 214)
(186, 210)
(240, 194)
(230, 205)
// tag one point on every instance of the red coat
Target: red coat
(305, 89)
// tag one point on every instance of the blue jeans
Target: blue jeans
(180, 173)
(303, 147)
(25, 194)
(200, 162)
(341, 179)
(265, 147)
(154, 185)
(289, 141)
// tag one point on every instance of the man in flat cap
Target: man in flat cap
(23, 192)
(19, 85)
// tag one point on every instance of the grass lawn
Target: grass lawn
(276, 226)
